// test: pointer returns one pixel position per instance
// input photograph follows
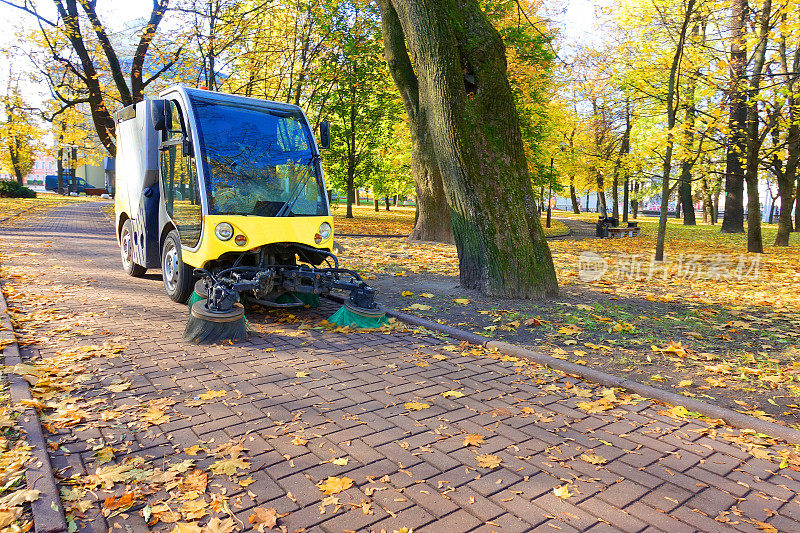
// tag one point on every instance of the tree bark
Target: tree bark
(797, 206)
(575, 207)
(73, 163)
(433, 214)
(459, 59)
(685, 189)
(671, 112)
(786, 180)
(60, 171)
(386, 202)
(733, 219)
(752, 134)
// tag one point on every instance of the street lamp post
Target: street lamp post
(549, 192)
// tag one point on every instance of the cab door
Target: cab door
(179, 183)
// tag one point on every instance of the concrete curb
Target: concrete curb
(48, 514)
(731, 417)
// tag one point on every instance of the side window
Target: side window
(179, 180)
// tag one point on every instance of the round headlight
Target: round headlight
(223, 231)
(324, 231)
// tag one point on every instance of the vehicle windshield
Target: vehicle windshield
(257, 160)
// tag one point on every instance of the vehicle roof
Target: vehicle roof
(225, 97)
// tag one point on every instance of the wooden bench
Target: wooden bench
(616, 233)
(95, 191)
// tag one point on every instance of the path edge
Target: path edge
(731, 417)
(48, 513)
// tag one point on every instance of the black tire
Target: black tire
(126, 251)
(178, 276)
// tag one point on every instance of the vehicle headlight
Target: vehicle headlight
(323, 233)
(223, 231)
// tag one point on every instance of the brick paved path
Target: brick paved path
(661, 474)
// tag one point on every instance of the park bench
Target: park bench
(630, 231)
(95, 191)
(608, 228)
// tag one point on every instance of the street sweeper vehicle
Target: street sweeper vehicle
(226, 195)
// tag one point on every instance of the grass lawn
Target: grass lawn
(397, 221)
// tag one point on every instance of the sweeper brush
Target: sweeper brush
(217, 314)
(207, 326)
(350, 315)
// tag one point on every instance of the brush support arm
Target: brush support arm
(260, 283)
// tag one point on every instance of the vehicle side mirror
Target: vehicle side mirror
(324, 134)
(158, 114)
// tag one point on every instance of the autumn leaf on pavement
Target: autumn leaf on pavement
(229, 466)
(112, 503)
(301, 374)
(194, 509)
(195, 480)
(488, 461)
(330, 500)
(406, 293)
(335, 485)
(104, 455)
(685, 383)
(562, 492)
(593, 459)
(453, 394)
(299, 441)
(763, 526)
(421, 307)
(210, 395)
(215, 525)
(473, 439)
(119, 385)
(193, 450)
(461, 301)
(340, 461)
(264, 519)
(416, 406)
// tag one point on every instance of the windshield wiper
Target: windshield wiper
(295, 194)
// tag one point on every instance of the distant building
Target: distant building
(43, 166)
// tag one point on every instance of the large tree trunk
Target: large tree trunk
(60, 170)
(615, 199)
(753, 138)
(572, 196)
(459, 59)
(708, 203)
(671, 111)
(601, 197)
(733, 219)
(635, 201)
(432, 222)
(685, 192)
(73, 165)
(786, 181)
(787, 177)
(797, 205)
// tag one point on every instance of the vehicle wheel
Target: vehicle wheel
(178, 277)
(126, 251)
